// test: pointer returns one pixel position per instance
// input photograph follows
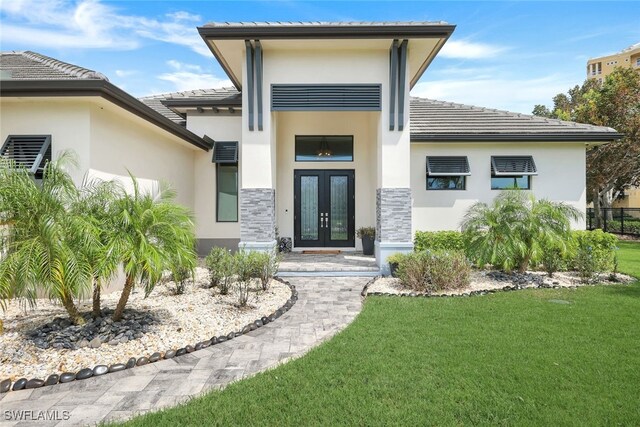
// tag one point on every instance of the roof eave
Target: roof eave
(590, 137)
(442, 31)
(104, 89)
(326, 31)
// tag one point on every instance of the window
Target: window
(324, 148)
(447, 172)
(227, 193)
(637, 62)
(29, 151)
(225, 155)
(512, 172)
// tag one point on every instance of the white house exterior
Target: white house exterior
(318, 137)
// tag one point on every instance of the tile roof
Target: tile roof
(430, 120)
(26, 65)
(221, 95)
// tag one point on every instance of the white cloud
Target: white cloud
(518, 95)
(462, 49)
(184, 80)
(91, 24)
(189, 77)
(126, 73)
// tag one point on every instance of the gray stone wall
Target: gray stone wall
(257, 214)
(393, 215)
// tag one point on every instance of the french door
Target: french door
(324, 208)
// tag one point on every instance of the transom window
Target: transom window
(512, 172)
(447, 172)
(324, 148)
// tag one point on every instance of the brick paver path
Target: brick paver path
(324, 307)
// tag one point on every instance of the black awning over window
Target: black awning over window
(225, 152)
(29, 151)
(448, 166)
(513, 165)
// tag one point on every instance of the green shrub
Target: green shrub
(630, 226)
(449, 270)
(555, 257)
(180, 276)
(396, 258)
(216, 263)
(510, 232)
(433, 240)
(429, 271)
(266, 266)
(593, 252)
(414, 273)
(245, 267)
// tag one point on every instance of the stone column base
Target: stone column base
(385, 249)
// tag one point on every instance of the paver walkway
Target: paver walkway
(324, 307)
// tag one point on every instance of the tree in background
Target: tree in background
(613, 167)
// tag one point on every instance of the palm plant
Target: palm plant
(95, 204)
(149, 235)
(512, 231)
(44, 243)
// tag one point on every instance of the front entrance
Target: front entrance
(324, 208)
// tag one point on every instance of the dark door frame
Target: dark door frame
(324, 206)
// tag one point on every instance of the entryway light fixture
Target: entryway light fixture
(324, 150)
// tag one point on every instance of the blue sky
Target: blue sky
(508, 55)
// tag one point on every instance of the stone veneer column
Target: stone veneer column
(257, 219)
(393, 223)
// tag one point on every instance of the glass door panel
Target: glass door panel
(339, 211)
(309, 208)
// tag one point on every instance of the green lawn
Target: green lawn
(513, 358)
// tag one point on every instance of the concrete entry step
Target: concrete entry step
(344, 263)
(329, 273)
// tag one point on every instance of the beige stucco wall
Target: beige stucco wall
(121, 142)
(561, 177)
(363, 127)
(67, 120)
(220, 128)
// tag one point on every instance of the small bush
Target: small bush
(429, 271)
(266, 266)
(631, 226)
(593, 252)
(449, 270)
(396, 258)
(433, 240)
(245, 270)
(180, 277)
(554, 256)
(413, 272)
(217, 265)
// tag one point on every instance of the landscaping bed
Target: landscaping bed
(492, 280)
(40, 342)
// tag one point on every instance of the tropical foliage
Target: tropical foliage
(150, 234)
(612, 167)
(45, 246)
(67, 241)
(512, 231)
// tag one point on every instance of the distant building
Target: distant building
(599, 68)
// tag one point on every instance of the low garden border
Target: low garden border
(99, 370)
(507, 288)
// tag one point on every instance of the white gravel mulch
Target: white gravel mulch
(480, 281)
(195, 316)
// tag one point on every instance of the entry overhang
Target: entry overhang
(227, 40)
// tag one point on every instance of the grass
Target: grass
(534, 357)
